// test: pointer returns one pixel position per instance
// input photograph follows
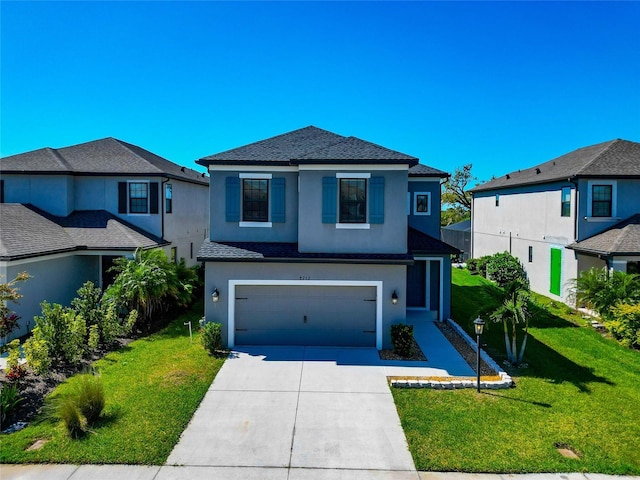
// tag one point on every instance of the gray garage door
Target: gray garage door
(305, 315)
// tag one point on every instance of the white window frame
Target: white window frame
(352, 226)
(255, 176)
(614, 197)
(139, 214)
(415, 203)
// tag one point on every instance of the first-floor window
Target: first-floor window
(530, 254)
(138, 197)
(353, 200)
(601, 197)
(255, 200)
(174, 254)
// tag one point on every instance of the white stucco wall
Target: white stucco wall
(526, 218)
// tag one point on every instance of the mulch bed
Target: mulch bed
(416, 354)
(34, 388)
(464, 349)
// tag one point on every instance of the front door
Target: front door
(417, 284)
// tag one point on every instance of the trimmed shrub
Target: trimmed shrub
(402, 339)
(503, 268)
(625, 324)
(211, 337)
(478, 266)
(13, 359)
(36, 352)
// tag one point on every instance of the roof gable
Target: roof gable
(108, 156)
(615, 158)
(309, 145)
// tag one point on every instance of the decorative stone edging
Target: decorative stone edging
(504, 382)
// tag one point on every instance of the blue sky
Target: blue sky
(502, 85)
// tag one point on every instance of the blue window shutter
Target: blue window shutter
(232, 199)
(122, 197)
(277, 200)
(329, 199)
(153, 197)
(376, 200)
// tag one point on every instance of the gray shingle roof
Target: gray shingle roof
(307, 146)
(421, 170)
(26, 231)
(108, 156)
(616, 158)
(279, 252)
(621, 239)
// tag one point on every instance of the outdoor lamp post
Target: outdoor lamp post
(478, 325)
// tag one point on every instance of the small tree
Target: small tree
(455, 197)
(503, 268)
(514, 310)
(9, 293)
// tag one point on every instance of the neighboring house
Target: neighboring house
(459, 236)
(320, 239)
(67, 213)
(564, 216)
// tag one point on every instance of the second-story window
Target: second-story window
(566, 202)
(353, 200)
(601, 198)
(255, 200)
(138, 197)
(168, 198)
(422, 203)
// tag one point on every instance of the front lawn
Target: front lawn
(152, 387)
(580, 390)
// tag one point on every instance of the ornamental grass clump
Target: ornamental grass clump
(83, 406)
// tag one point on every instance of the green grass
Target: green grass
(153, 386)
(579, 389)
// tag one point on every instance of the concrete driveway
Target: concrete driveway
(298, 408)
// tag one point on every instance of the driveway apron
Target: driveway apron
(305, 407)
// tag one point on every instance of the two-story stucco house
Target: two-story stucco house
(66, 213)
(564, 216)
(321, 239)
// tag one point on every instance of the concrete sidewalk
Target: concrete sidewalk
(133, 472)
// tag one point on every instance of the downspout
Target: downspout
(472, 229)
(575, 209)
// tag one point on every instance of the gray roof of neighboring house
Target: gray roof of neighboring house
(421, 170)
(286, 252)
(309, 145)
(26, 231)
(613, 159)
(621, 239)
(463, 226)
(108, 156)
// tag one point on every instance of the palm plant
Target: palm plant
(514, 310)
(601, 290)
(147, 283)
